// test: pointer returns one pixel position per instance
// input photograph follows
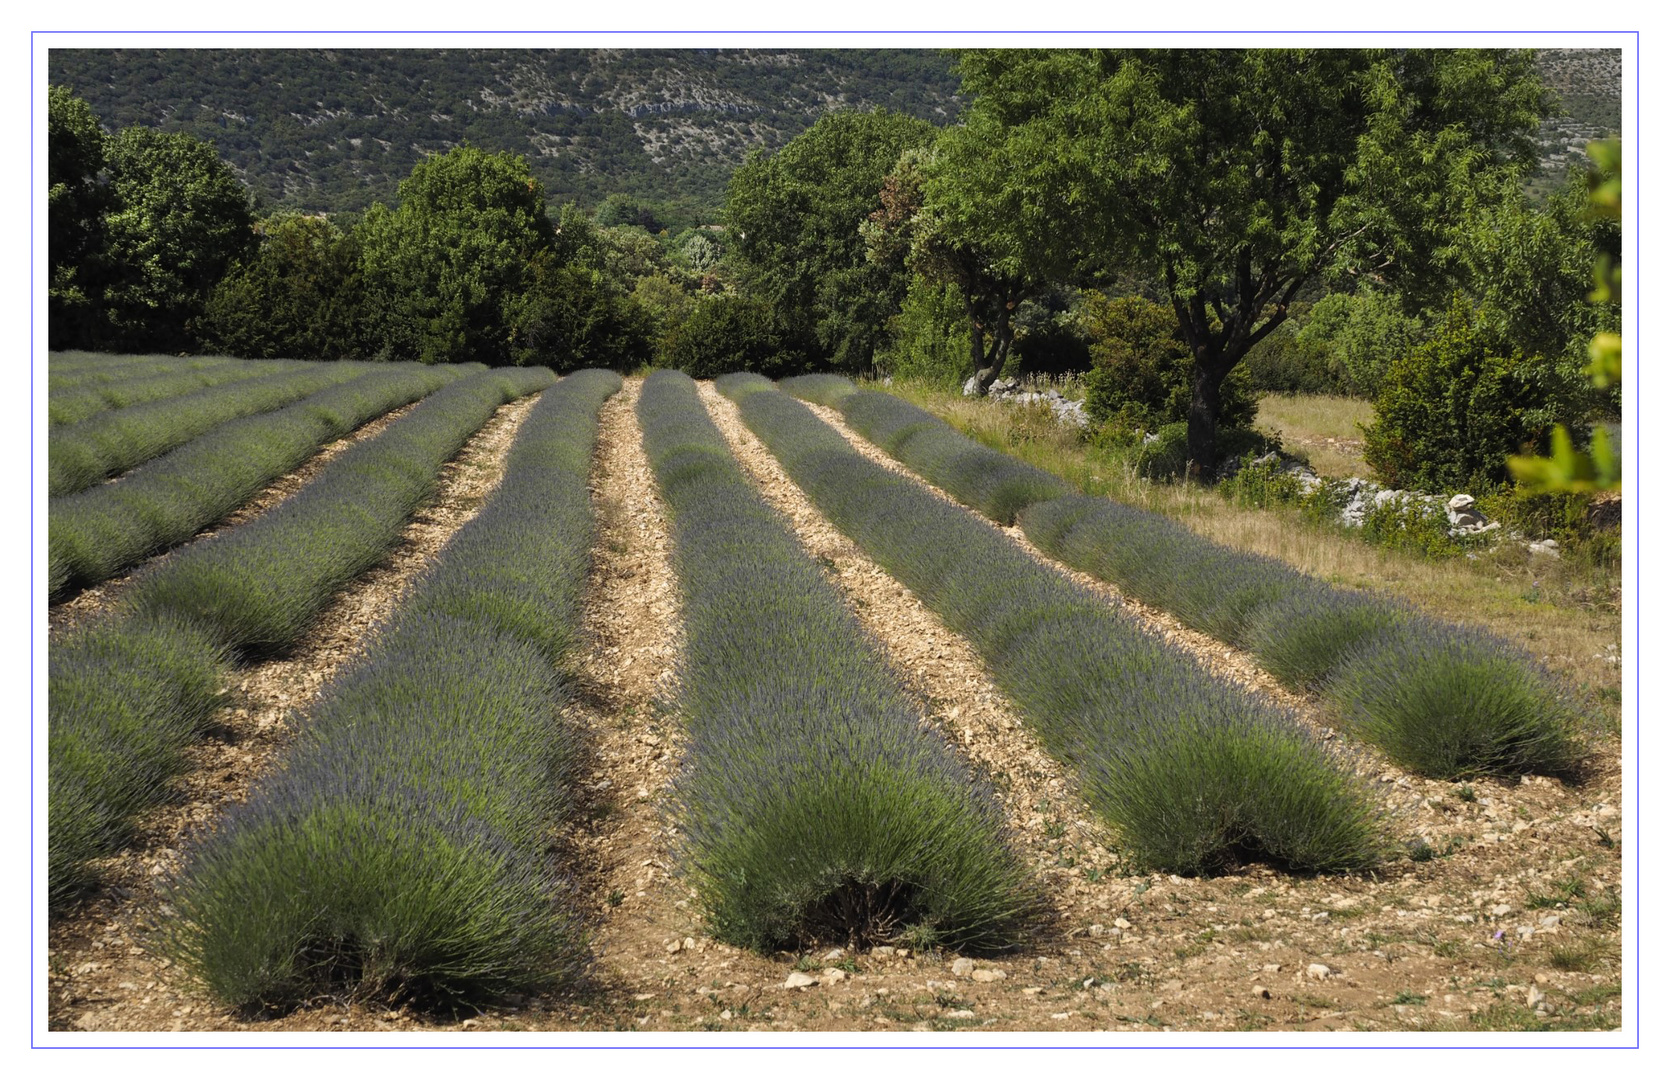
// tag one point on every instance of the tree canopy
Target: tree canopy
(1236, 177)
(444, 269)
(794, 219)
(74, 202)
(177, 220)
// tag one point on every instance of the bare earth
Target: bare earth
(1514, 924)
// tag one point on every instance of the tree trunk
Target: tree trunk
(1204, 403)
(988, 363)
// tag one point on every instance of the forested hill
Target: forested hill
(338, 129)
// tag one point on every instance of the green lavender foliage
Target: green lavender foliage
(814, 805)
(1195, 773)
(404, 851)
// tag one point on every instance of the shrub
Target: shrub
(299, 294)
(1411, 523)
(1362, 333)
(928, 339)
(1449, 702)
(1451, 411)
(814, 803)
(728, 333)
(1261, 484)
(1166, 456)
(1288, 361)
(404, 850)
(1141, 376)
(572, 318)
(1195, 773)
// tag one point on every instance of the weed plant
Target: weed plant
(75, 404)
(1196, 774)
(97, 533)
(404, 850)
(815, 805)
(246, 592)
(1301, 629)
(80, 455)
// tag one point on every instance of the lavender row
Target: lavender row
(404, 850)
(73, 405)
(80, 455)
(814, 804)
(1442, 700)
(1195, 773)
(97, 533)
(125, 696)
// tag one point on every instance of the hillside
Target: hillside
(337, 129)
(1589, 83)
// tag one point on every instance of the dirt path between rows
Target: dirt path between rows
(103, 971)
(95, 600)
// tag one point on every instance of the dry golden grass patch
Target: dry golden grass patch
(1326, 431)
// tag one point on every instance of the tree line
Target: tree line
(1189, 225)
(155, 245)
(1186, 226)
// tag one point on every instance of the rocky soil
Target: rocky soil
(1508, 917)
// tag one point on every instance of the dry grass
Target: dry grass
(1321, 429)
(1562, 614)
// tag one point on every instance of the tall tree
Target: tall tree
(794, 219)
(74, 203)
(1236, 177)
(178, 219)
(444, 271)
